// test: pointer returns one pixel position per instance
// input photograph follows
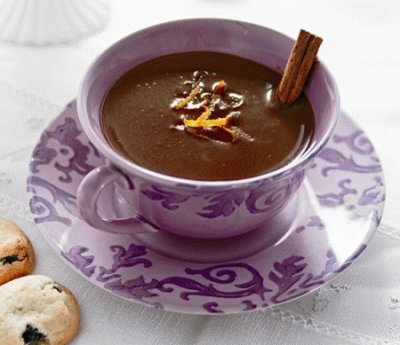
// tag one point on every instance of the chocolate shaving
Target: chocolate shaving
(217, 106)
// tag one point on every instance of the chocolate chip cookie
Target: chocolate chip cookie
(16, 253)
(35, 310)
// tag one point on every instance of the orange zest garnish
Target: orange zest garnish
(220, 122)
(219, 87)
(205, 114)
(181, 104)
(210, 105)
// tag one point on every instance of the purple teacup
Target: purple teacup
(199, 209)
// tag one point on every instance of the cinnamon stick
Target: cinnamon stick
(298, 66)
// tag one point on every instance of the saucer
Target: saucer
(338, 207)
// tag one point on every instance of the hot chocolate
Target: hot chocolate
(205, 116)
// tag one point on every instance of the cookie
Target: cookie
(35, 310)
(16, 253)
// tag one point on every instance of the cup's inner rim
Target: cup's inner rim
(125, 164)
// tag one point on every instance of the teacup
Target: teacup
(199, 209)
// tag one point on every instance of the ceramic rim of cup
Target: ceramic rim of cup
(128, 166)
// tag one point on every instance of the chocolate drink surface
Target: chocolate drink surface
(205, 116)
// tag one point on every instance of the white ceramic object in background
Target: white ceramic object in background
(46, 22)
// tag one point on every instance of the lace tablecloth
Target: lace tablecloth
(361, 306)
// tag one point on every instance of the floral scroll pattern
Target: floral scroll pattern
(267, 278)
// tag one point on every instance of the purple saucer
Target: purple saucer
(338, 209)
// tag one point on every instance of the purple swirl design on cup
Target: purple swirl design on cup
(222, 204)
(346, 179)
(169, 200)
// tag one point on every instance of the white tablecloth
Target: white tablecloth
(361, 47)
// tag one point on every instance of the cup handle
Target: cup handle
(89, 191)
